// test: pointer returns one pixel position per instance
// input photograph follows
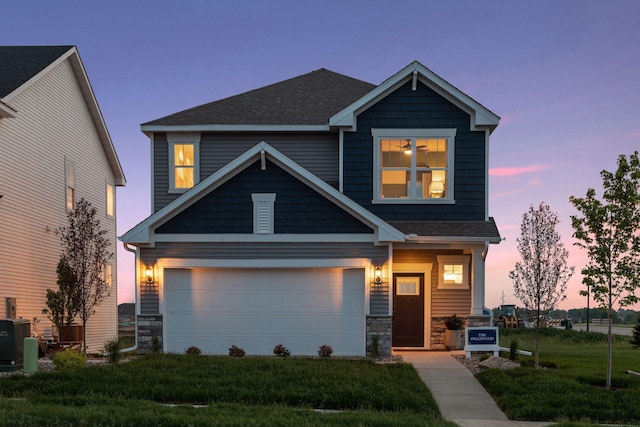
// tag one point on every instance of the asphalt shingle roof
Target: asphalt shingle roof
(18, 64)
(309, 99)
(464, 229)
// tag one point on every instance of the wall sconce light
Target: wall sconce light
(377, 277)
(149, 275)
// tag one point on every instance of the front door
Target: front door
(408, 310)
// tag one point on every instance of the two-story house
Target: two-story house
(54, 150)
(318, 210)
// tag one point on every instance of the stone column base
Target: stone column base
(379, 329)
(149, 327)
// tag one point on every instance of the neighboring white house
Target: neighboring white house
(54, 150)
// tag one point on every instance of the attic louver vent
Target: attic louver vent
(263, 212)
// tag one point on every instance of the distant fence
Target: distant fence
(598, 321)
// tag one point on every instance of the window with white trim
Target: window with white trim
(106, 275)
(111, 200)
(70, 185)
(184, 153)
(263, 212)
(453, 271)
(413, 165)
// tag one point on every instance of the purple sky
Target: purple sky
(563, 75)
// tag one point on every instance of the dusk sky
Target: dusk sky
(564, 76)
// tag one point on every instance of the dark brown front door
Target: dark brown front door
(408, 310)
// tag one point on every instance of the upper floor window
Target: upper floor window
(70, 184)
(413, 165)
(111, 200)
(183, 161)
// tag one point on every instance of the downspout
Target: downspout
(484, 258)
(135, 293)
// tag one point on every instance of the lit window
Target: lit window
(183, 161)
(107, 274)
(111, 199)
(413, 164)
(70, 183)
(453, 271)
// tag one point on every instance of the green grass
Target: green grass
(574, 388)
(235, 392)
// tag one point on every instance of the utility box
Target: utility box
(11, 308)
(12, 335)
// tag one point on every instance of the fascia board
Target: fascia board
(6, 112)
(96, 115)
(457, 239)
(234, 128)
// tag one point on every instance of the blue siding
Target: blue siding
(297, 210)
(422, 108)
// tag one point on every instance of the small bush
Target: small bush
(235, 351)
(156, 345)
(375, 346)
(281, 351)
(453, 323)
(193, 351)
(513, 350)
(69, 359)
(325, 351)
(112, 347)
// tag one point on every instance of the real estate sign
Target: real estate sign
(481, 339)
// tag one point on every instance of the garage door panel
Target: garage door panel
(257, 309)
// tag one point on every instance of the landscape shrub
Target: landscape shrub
(325, 351)
(112, 348)
(69, 359)
(156, 345)
(513, 350)
(375, 346)
(193, 351)
(235, 351)
(281, 351)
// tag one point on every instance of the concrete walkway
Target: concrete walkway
(459, 395)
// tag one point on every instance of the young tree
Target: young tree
(62, 305)
(85, 251)
(609, 230)
(635, 341)
(540, 278)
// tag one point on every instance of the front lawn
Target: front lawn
(160, 390)
(572, 384)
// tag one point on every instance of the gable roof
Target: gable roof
(307, 100)
(21, 66)
(481, 117)
(143, 232)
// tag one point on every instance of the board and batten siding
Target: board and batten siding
(53, 125)
(317, 152)
(149, 297)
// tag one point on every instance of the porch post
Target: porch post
(477, 281)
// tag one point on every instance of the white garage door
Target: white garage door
(256, 309)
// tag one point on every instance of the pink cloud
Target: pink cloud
(517, 170)
(632, 135)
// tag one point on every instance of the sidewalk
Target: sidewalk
(459, 395)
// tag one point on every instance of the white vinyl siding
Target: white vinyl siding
(53, 124)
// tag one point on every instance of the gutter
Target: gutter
(135, 293)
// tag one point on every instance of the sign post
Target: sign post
(481, 339)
